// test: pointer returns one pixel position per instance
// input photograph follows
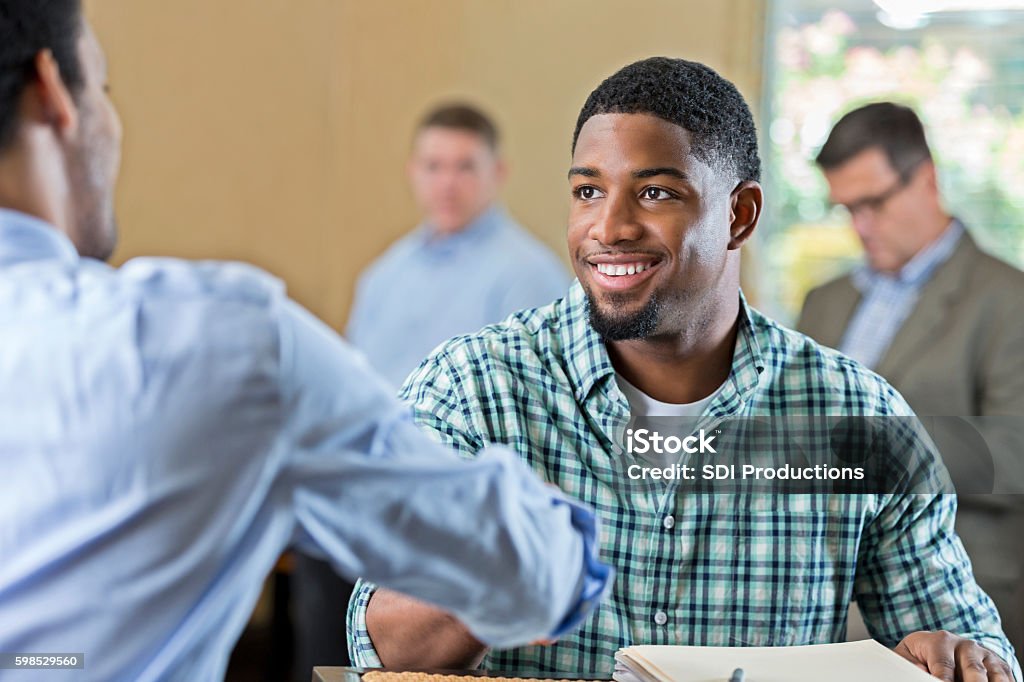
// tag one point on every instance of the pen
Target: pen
(737, 675)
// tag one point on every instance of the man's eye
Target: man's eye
(587, 192)
(656, 194)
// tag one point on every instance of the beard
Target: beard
(612, 325)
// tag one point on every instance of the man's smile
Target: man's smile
(617, 272)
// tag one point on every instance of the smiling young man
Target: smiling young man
(664, 192)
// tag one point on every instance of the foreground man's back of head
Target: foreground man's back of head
(168, 429)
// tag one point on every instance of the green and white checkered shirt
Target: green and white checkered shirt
(699, 568)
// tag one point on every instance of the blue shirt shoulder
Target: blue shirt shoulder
(428, 288)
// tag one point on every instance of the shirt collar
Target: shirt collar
(748, 360)
(24, 238)
(479, 229)
(919, 268)
(589, 364)
(586, 355)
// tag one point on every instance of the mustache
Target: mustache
(620, 252)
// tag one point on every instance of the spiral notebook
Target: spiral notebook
(844, 662)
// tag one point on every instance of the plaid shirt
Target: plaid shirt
(699, 568)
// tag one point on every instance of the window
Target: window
(962, 71)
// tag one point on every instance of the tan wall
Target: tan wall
(276, 131)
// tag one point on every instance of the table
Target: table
(346, 674)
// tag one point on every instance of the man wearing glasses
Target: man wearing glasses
(941, 320)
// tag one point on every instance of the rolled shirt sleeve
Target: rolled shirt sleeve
(485, 539)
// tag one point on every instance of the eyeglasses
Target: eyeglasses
(873, 205)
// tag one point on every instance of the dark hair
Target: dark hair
(692, 96)
(893, 128)
(26, 28)
(462, 116)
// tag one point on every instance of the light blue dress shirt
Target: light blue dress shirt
(888, 299)
(168, 428)
(426, 289)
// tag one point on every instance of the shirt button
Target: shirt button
(660, 618)
(669, 522)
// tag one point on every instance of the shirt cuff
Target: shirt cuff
(597, 576)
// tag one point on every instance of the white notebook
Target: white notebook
(845, 662)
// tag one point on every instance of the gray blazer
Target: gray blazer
(961, 350)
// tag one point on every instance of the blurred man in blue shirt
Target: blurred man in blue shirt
(168, 428)
(466, 266)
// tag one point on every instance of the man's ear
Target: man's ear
(501, 171)
(744, 212)
(49, 100)
(930, 176)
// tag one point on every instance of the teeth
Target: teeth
(619, 270)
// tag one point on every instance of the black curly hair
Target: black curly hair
(26, 28)
(694, 97)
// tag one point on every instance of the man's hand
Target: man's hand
(953, 658)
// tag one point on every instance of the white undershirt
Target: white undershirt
(643, 405)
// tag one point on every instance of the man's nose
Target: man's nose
(617, 221)
(863, 223)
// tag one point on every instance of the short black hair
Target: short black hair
(691, 95)
(26, 28)
(462, 116)
(893, 128)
